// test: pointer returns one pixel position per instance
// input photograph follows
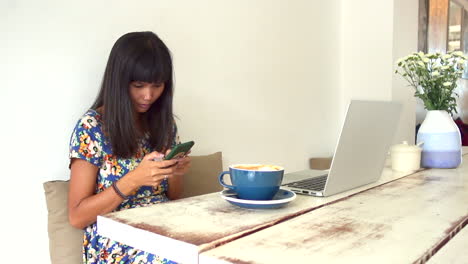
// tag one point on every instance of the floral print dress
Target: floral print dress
(89, 143)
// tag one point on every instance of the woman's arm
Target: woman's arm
(84, 205)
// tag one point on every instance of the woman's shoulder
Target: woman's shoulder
(90, 120)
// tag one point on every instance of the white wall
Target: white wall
(256, 84)
(263, 81)
(366, 45)
(405, 39)
(372, 37)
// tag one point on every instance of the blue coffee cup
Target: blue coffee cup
(253, 181)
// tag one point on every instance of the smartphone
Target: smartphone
(179, 150)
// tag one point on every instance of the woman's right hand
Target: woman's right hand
(152, 170)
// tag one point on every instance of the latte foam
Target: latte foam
(258, 167)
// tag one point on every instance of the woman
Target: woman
(463, 127)
(117, 146)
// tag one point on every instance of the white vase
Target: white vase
(442, 141)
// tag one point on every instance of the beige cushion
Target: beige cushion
(65, 241)
(203, 175)
(320, 163)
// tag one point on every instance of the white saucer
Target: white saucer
(281, 198)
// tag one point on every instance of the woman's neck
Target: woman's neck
(140, 124)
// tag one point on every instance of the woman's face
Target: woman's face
(144, 94)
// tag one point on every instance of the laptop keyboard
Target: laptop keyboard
(313, 184)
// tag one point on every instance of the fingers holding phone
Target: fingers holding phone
(156, 167)
(151, 172)
(180, 153)
(163, 169)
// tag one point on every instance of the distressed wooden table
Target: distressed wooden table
(207, 229)
(402, 221)
(454, 252)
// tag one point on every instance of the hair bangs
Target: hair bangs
(151, 67)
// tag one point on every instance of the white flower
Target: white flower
(420, 90)
(438, 72)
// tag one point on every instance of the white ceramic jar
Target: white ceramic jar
(405, 158)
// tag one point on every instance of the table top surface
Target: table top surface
(453, 252)
(354, 221)
(404, 221)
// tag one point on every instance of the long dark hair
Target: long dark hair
(136, 56)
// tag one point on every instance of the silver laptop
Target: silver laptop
(360, 154)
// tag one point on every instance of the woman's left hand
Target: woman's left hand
(182, 166)
(175, 180)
